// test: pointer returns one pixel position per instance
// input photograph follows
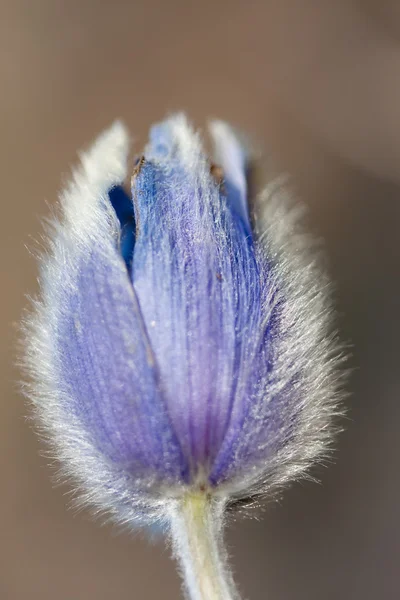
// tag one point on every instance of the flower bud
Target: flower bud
(180, 346)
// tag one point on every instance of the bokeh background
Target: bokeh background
(318, 84)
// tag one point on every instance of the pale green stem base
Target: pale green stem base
(196, 532)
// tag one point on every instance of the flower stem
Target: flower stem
(196, 531)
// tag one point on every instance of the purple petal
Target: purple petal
(232, 157)
(109, 370)
(96, 370)
(197, 280)
(286, 423)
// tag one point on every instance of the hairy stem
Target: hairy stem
(196, 531)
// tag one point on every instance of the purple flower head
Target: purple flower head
(176, 345)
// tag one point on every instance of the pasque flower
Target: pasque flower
(181, 350)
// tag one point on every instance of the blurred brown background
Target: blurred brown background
(318, 82)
